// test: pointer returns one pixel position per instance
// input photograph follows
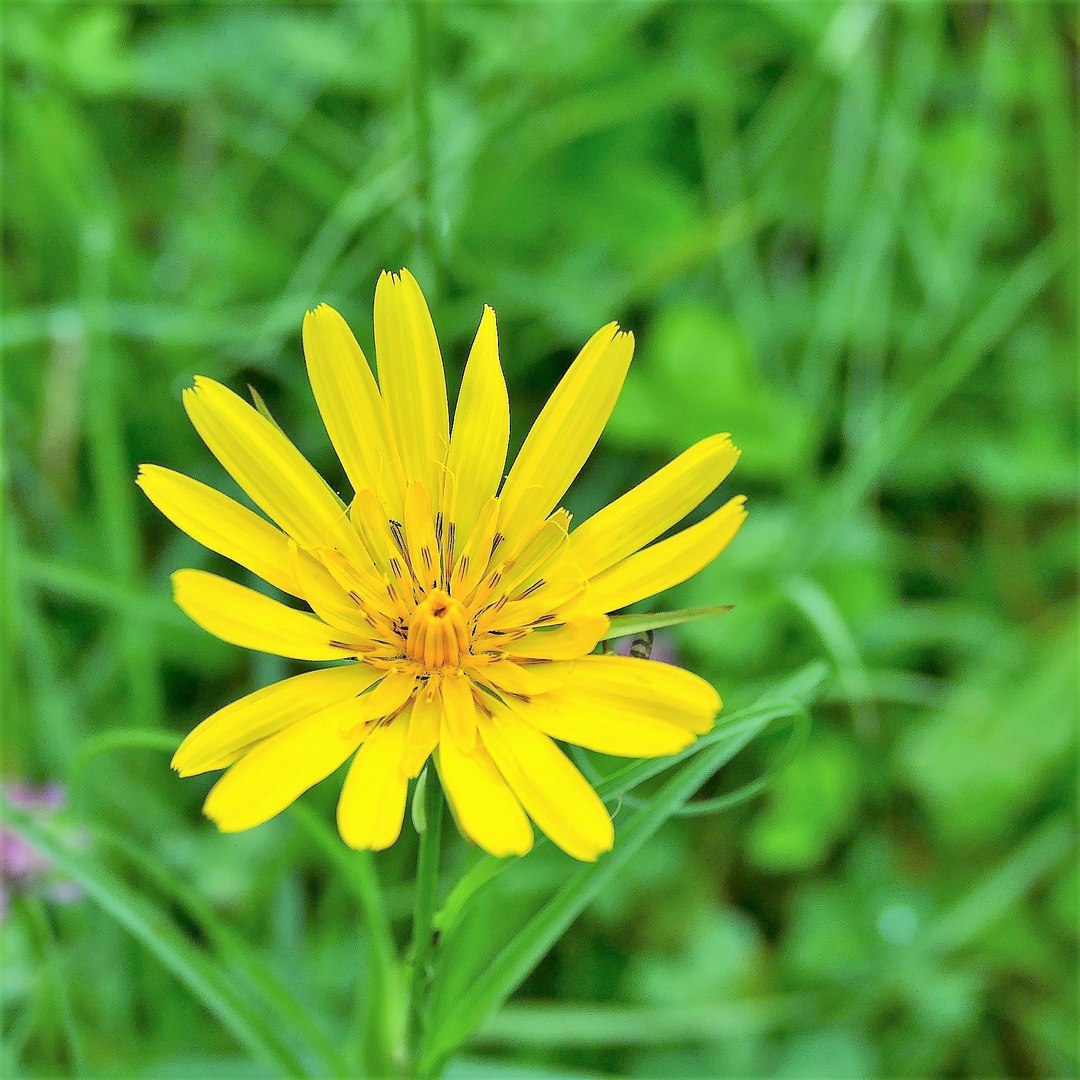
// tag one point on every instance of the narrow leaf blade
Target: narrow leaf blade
(627, 625)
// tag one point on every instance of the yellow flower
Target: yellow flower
(468, 613)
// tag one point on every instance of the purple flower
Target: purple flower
(22, 867)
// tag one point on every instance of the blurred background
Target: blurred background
(844, 232)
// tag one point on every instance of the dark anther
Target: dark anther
(398, 531)
(539, 584)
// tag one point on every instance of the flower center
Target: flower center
(438, 632)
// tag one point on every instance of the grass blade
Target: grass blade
(152, 928)
(558, 1026)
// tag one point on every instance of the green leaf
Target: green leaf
(558, 1026)
(149, 925)
(627, 625)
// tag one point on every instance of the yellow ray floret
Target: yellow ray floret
(463, 617)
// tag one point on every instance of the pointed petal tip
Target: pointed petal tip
(488, 321)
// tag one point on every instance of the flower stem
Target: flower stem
(427, 880)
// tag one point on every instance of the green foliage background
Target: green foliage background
(845, 232)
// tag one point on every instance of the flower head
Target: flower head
(469, 611)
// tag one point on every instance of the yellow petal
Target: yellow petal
(525, 680)
(344, 537)
(352, 408)
(352, 578)
(598, 724)
(622, 705)
(368, 517)
(372, 802)
(481, 430)
(476, 554)
(527, 567)
(645, 687)
(668, 563)
(411, 377)
(278, 771)
(459, 711)
(565, 431)
(267, 711)
(651, 508)
(263, 462)
(383, 700)
(425, 720)
(548, 602)
(244, 617)
(554, 794)
(484, 807)
(221, 524)
(420, 533)
(328, 599)
(576, 637)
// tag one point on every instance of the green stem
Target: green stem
(427, 880)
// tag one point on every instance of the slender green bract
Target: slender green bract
(626, 625)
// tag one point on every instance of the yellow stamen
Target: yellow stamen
(438, 632)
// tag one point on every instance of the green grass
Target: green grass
(847, 234)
